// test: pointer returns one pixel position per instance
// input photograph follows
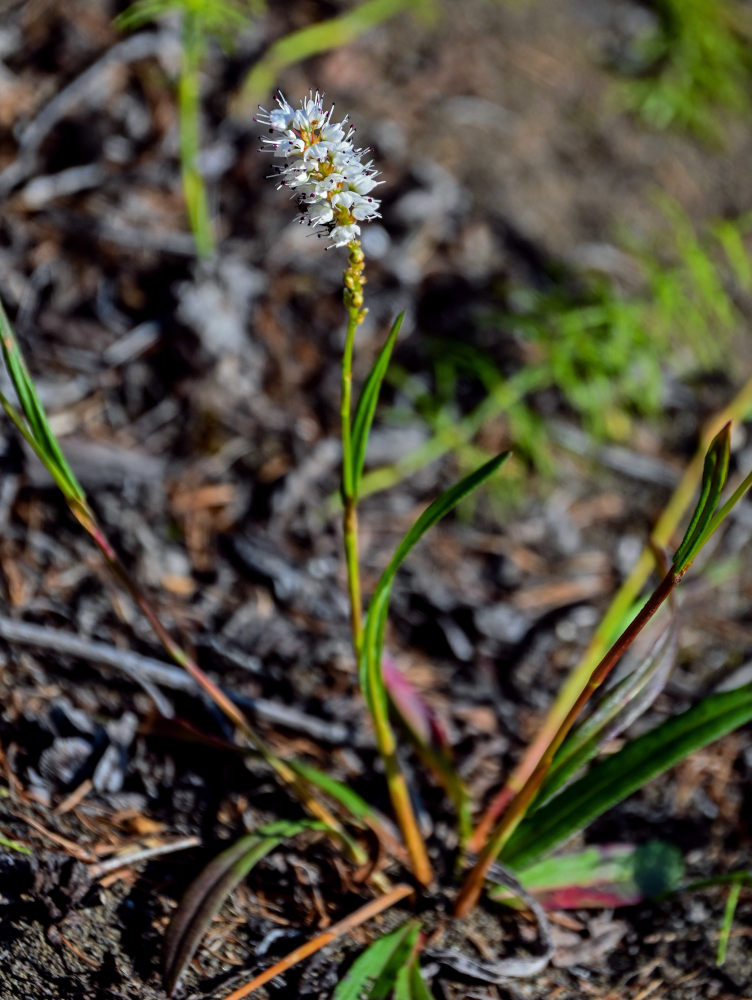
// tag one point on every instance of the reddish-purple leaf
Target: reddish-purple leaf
(430, 739)
(415, 713)
(601, 876)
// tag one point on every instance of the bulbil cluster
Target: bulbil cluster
(324, 168)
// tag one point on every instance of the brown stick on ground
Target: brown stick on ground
(337, 930)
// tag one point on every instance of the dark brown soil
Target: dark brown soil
(198, 405)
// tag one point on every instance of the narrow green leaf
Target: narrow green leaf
(46, 444)
(13, 845)
(368, 969)
(322, 36)
(417, 984)
(385, 981)
(723, 512)
(611, 780)
(714, 475)
(728, 920)
(729, 235)
(372, 681)
(338, 790)
(369, 397)
(402, 985)
(209, 890)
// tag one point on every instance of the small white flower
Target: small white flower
(324, 168)
(342, 235)
(320, 213)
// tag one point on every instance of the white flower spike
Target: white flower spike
(324, 168)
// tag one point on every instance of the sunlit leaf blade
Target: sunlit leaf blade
(727, 923)
(366, 408)
(611, 780)
(429, 738)
(322, 36)
(403, 985)
(209, 890)
(47, 446)
(371, 678)
(216, 16)
(418, 985)
(730, 237)
(377, 968)
(13, 845)
(357, 806)
(714, 475)
(619, 708)
(600, 876)
(384, 984)
(409, 984)
(723, 512)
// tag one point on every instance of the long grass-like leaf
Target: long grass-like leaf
(314, 39)
(209, 890)
(619, 708)
(714, 475)
(373, 974)
(611, 780)
(369, 397)
(728, 919)
(355, 804)
(371, 676)
(409, 984)
(46, 444)
(370, 673)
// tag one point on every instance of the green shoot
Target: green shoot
(320, 37)
(728, 919)
(200, 20)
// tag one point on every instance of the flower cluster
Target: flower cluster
(324, 169)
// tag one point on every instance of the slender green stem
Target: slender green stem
(349, 500)
(518, 806)
(396, 784)
(194, 189)
(385, 741)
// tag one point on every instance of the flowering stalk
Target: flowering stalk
(332, 186)
(353, 299)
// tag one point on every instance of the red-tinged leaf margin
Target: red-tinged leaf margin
(600, 876)
(430, 740)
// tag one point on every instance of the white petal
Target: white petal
(342, 235)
